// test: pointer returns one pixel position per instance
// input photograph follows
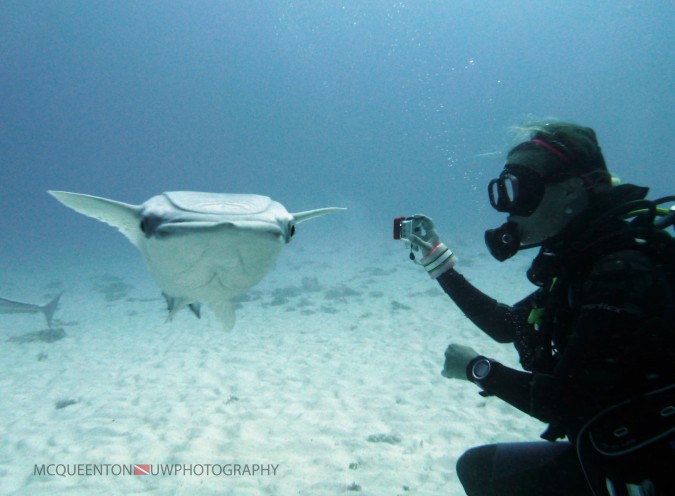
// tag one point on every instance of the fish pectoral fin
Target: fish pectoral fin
(175, 305)
(123, 216)
(170, 302)
(196, 309)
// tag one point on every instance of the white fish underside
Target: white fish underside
(200, 247)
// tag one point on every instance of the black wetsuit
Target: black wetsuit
(605, 333)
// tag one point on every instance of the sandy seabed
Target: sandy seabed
(330, 380)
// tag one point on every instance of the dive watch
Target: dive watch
(479, 369)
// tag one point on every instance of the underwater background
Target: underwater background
(333, 368)
(384, 107)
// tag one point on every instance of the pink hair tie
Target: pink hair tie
(551, 149)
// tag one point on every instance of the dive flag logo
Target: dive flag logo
(141, 469)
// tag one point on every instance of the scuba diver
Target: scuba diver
(596, 340)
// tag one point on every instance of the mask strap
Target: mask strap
(590, 183)
(551, 149)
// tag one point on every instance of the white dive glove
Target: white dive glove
(438, 258)
(457, 357)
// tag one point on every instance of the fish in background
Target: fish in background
(12, 306)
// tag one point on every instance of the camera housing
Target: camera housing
(404, 227)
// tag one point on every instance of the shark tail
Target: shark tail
(225, 312)
(50, 308)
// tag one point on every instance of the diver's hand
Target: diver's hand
(438, 258)
(424, 236)
(457, 357)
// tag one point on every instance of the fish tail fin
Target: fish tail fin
(50, 308)
(225, 312)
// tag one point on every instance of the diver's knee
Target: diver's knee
(465, 463)
(474, 469)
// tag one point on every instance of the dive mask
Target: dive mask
(518, 190)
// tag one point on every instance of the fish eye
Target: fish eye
(292, 231)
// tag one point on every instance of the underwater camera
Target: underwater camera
(404, 227)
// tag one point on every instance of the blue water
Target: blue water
(388, 108)
(385, 107)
